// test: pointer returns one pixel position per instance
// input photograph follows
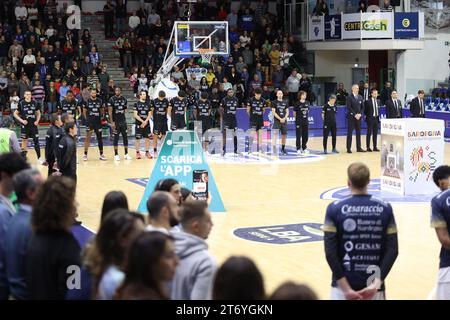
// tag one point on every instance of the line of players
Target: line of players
(28, 115)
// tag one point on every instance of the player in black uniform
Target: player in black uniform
(203, 114)
(179, 109)
(160, 109)
(69, 105)
(29, 114)
(255, 110)
(440, 221)
(329, 112)
(117, 106)
(93, 110)
(301, 112)
(51, 142)
(142, 114)
(229, 105)
(360, 240)
(280, 111)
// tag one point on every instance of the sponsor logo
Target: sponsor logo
(367, 25)
(346, 209)
(316, 31)
(282, 234)
(417, 134)
(423, 160)
(349, 225)
(392, 126)
(375, 190)
(406, 23)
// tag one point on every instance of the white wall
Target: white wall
(424, 69)
(338, 65)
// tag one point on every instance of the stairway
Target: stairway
(111, 58)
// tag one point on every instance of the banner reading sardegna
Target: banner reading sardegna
(370, 25)
(180, 157)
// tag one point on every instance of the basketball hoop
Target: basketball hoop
(206, 55)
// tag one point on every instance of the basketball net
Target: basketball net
(206, 55)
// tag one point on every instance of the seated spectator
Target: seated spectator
(150, 264)
(238, 279)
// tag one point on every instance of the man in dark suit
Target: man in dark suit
(386, 93)
(365, 91)
(417, 105)
(355, 109)
(372, 112)
(394, 107)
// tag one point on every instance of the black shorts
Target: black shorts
(160, 127)
(142, 132)
(256, 123)
(206, 123)
(94, 125)
(29, 131)
(277, 125)
(178, 122)
(120, 127)
(230, 123)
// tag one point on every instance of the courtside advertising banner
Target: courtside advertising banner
(406, 25)
(316, 28)
(333, 27)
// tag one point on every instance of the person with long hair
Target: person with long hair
(238, 279)
(113, 200)
(170, 185)
(151, 263)
(52, 250)
(106, 257)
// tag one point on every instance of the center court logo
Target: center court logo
(282, 234)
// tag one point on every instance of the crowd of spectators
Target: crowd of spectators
(39, 53)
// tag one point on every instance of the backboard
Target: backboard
(192, 36)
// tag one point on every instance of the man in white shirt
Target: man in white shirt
(134, 21)
(153, 17)
(21, 12)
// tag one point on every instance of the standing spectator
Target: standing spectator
(121, 16)
(29, 63)
(247, 21)
(10, 164)
(151, 263)
(52, 248)
(278, 78)
(194, 276)
(3, 51)
(321, 8)
(24, 85)
(134, 21)
(386, 93)
(21, 14)
(293, 86)
(94, 57)
(86, 67)
(108, 14)
(51, 97)
(38, 94)
(341, 95)
(19, 232)
(153, 17)
(274, 56)
(232, 19)
(67, 152)
(238, 279)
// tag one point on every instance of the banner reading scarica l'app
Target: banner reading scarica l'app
(182, 158)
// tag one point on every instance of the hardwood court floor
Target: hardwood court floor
(265, 195)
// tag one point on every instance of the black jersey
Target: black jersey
(119, 106)
(160, 109)
(281, 108)
(69, 107)
(302, 111)
(94, 108)
(230, 106)
(178, 106)
(329, 113)
(28, 110)
(143, 110)
(256, 107)
(203, 108)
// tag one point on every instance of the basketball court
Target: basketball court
(274, 210)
